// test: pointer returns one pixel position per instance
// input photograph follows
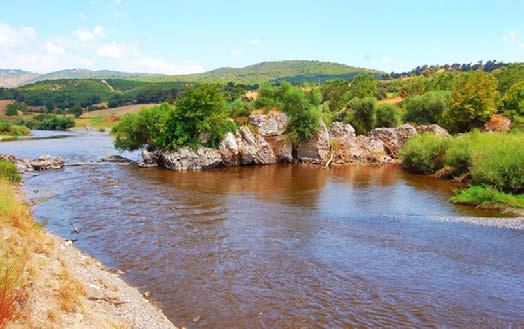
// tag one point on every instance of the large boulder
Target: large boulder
(22, 165)
(497, 123)
(47, 162)
(186, 158)
(282, 148)
(339, 129)
(317, 150)
(246, 148)
(271, 124)
(393, 138)
(433, 128)
(116, 159)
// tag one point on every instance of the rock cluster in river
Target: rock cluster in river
(264, 142)
(44, 162)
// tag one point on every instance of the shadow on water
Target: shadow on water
(285, 245)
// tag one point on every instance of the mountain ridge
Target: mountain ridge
(268, 71)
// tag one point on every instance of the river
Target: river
(283, 246)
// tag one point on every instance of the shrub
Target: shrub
(48, 122)
(8, 171)
(239, 108)
(12, 109)
(424, 153)
(362, 115)
(427, 108)
(76, 110)
(336, 94)
(487, 197)
(142, 129)
(387, 115)
(513, 101)
(8, 128)
(474, 99)
(200, 111)
(303, 113)
(363, 85)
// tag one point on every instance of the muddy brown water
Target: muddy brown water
(283, 246)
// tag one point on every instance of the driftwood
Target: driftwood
(330, 160)
(75, 229)
(113, 300)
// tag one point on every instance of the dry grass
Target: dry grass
(118, 111)
(393, 100)
(3, 105)
(70, 292)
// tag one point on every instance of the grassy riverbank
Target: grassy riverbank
(45, 282)
(492, 163)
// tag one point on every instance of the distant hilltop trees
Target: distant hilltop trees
(489, 66)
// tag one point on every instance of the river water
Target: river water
(283, 246)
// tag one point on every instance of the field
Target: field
(3, 104)
(103, 119)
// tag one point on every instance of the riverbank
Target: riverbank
(48, 283)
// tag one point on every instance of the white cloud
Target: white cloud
(236, 52)
(89, 35)
(111, 50)
(22, 49)
(254, 42)
(509, 37)
(521, 46)
(10, 37)
(54, 49)
(386, 59)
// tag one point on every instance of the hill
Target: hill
(292, 70)
(296, 71)
(13, 78)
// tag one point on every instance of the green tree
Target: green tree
(387, 115)
(336, 94)
(509, 76)
(362, 114)
(513, 100)
(427, 108)
(12, 109)
(473, 101)
(363, 85)
(303, 111)
(143, 129)
(76, 110)
(198, 113)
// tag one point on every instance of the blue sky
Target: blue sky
(193, 36)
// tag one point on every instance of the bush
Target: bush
(513, 101)
(427, 108)
(474, 99)
(199, 112)
(424, 153)
(336, 94)
(12, 109)
(8, 128)
(362, 115)
(142, 129)
(8, 171)
(487, 197)
(363, 85)
(387, 115)
(239, 108)
(303, 113)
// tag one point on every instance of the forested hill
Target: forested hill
(292, 70)
(296, 71)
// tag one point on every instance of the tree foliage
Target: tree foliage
(363, 85)
(474, 100)
(362, 115)
(336, 93)
(387, 116)
(427, 108)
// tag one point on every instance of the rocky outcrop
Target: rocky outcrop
(435, 129)
(317, 150)
(246, 148)
(271, 124)
(265, 142)
(497, 123)
(47, 162)
(116, 159)
(148, 159)
(393, 138)
(186, 158)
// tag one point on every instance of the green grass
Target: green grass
(424, 153)
(488, 198)
(8, 171)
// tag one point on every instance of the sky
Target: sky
(180, 37)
